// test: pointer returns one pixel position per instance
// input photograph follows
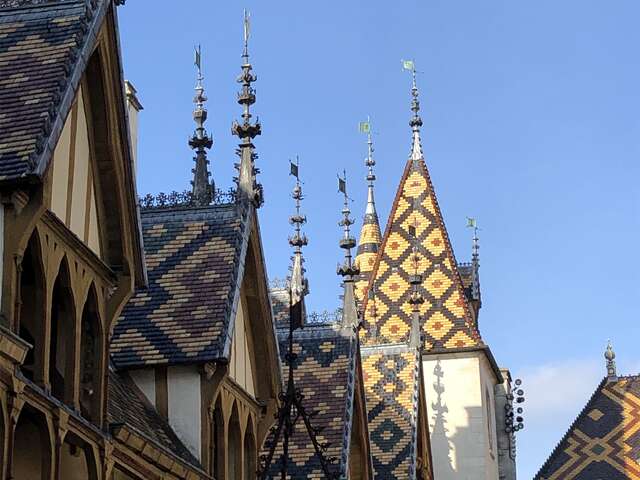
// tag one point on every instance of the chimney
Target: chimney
(133, 107)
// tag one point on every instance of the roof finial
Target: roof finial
(370, 233)
(416, 299)
(298, 285)
(248, 187)
(610, 356)
(347, 270)
(200, 141)
(475, 259)
(416, 121)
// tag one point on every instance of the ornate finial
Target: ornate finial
(610, 356)
(475, 259)
(370, 212)
(298, 284)
(416, 299)
(200, 141)
(416, 122)
(348, 271)
(248, 187)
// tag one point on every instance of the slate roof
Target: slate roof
(280, 306)
(604, 441)
(325, 370)
(127, 405)
(195, 263)
(447, 320)
(42, 54)
(392, 383)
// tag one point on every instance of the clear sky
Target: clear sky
(531, 124)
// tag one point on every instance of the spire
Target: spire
(298, 285)
(475, 260)
(416, 121)
(248, 187)
(200, 141)
(348, 271)
(370, 234)
(610, 356)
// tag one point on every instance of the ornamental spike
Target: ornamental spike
(416, 121)
(200, 141)
(249, 190)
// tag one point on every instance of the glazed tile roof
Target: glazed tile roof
(368, 246)
(391, 383)
(195, 263)
(325, 370)
(604, 441)
(41, 59)
(127, 405)
(280, 306)
(449, 323)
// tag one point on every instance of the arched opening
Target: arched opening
(217, 441)
(31, 447)
(76, 460)
(31, 311)
(61, 355)
(249, 451)
(234, 467)
(90, 358)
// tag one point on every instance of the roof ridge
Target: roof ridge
(565, 437)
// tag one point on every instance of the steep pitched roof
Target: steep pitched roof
(447, 320)
(368, 246)
(127, 405)
(325, 371)
(43, 51)
(195, 263)
(392, 383)
(604, 441)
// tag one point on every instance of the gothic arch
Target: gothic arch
(218, 439)
(31, 308)
(91, 358)
(63, 334)
(31, 446)
(234, 448)
(77, 459)
(250, 453)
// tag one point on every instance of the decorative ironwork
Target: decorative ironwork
(292, 408)
(183, 199)
(514, 421)
(279, 283)
(325, 316)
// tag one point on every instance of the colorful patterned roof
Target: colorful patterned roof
(367, 251)
(325, 373)
(392, 384)
(42, 56)
(604, 441)
(195, 261)
(449, 323)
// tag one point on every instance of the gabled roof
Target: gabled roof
(127, 405)
(195, 264)
(392, 383)
(43, 52)
(604, 441)
(447, 320)
(325, 371)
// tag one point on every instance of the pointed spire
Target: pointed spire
(200, 141)
(370, 234)
(475, 259)
(348, 271)
(416, 121)
(248, 187)
(610, 356)
(298, 285)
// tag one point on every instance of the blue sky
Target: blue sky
(531, 124)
